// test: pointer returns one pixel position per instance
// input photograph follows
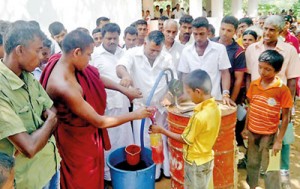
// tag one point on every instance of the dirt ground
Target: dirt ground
(294, 162)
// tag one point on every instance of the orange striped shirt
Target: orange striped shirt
(265, 106)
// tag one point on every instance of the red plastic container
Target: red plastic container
(157, 148)
(133, 154)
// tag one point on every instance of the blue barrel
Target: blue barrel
(121, 179)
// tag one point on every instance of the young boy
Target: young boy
(268, 96)
(7, 173)
(201, 132)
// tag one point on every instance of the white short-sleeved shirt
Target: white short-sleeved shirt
(190, 42)
(290, 67)
(106, 63)
(214, 60)
(144, 76)
(178, 14)
(175, 51)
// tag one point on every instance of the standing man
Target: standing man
(244, 23)
(178, 12)
(97, 36)
(185, 30)
(58, 32)
(168, 12)
(105, 59)
(142, 28)
(140, 67)
(170, 31)
(130, 37)
(101, 21)
(156, 12)
(80, 99)
(161, 21)
(208, 56)
(273, 25)
(236, 55)
(27, 116)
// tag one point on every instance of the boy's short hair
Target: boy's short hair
(140, 22)
(163, 18)
(76, 39)
(102, 19)
(186, 19)
(55, 28)
(273, 58)
(212, 29)
(47, 43)
(199, 79)
(7, 163)
(231, 20)
(246, 20)
(131, 30)
(200, 22)
(96, 30)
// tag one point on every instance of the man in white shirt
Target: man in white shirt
(178, 12)
(105, 58)
(185, 30)
(208, 56)
(130, 38)
(142, 28)
(168, 12)
(170, 31)
(140, 67)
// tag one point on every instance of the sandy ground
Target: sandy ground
(294, 162)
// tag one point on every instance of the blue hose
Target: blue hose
(161, 74)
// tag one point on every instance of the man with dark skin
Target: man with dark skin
(27, 117)
(57, 31)
(185, 29)
(141, 26)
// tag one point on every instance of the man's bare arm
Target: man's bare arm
(125, 77)
(31, 144)
(131, 93)
(74, 100)
(239, 76)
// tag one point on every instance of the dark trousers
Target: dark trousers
(258, 157)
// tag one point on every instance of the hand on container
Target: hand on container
(155, 129)
(142, 112)
(276, 147)
(228, 101)
(244, 133)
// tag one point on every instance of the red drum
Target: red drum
(224, 162)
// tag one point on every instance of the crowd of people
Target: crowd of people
(63, 111)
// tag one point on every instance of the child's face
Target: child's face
(195, 95)
(9, 184)
(266, 71)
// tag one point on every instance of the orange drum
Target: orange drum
(224, 166)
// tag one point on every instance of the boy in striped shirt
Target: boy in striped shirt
(268, 96)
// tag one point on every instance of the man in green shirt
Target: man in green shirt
(27, 117)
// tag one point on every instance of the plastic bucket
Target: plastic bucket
(224, 167)
(122, 179)
(133, 154)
